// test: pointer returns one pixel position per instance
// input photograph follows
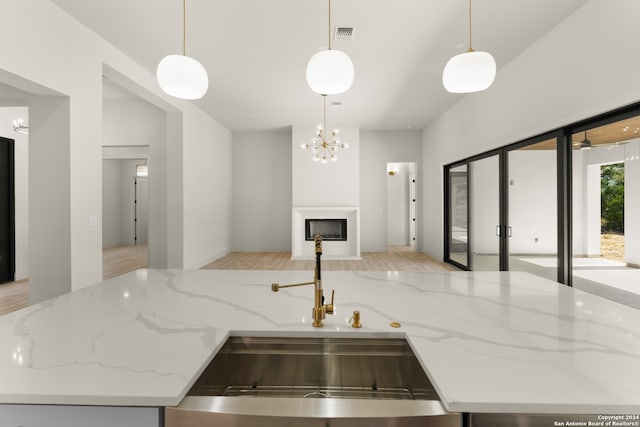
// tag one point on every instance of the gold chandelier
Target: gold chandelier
(322, 146)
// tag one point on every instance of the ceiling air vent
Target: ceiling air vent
(344, 33)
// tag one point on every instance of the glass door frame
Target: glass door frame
(564, 183)
(563, 168)
(447, 217)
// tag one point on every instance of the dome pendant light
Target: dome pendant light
(330, 71)
(470, 71)
(182, 76)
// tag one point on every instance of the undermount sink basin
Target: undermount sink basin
(355, 368)
(275, 381)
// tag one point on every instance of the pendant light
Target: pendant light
(330, 71)
(471, 71)
(182, 76)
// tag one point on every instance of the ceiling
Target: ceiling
(256, 51)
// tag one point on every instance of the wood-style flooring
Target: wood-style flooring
(398, 258)
(120, 260)
(123, 259)
(14, 296)
(115, 261)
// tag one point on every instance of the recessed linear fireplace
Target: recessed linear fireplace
(302, 232)
(328, 228)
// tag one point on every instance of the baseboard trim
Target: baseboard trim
(21, 275)
(208, 260)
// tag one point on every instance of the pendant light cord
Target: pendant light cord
(324, 117)
(470, 48)
(184, 27)
(329, 29)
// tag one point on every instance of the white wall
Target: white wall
(66, 58)
(331, 184)
(132, 122)
(262, 191)
(21, 165)
(579, 69)
(111, 203)
(377, 148)
(50, 264)
(207, 190)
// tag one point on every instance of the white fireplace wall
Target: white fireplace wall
(329, 190)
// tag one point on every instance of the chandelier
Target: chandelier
(322, 146)
(21, 127)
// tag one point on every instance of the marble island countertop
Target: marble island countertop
(489, 342)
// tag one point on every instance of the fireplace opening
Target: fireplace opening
(329, 229)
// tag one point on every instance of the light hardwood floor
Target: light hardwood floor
(396, 259)
(14, 296)
(123, 259)
(117, 261)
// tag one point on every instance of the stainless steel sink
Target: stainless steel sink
(315, 368)
(312, 381)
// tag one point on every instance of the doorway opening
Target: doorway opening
(606, 179)
(612, 211)
(124, 216)
(14, 191)
(401, 206)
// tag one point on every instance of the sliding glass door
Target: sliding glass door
(563, 205)
(458, 216)
(510, 199)
(532, 228)
(485, 214)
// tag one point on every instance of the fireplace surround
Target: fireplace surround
(339, 227)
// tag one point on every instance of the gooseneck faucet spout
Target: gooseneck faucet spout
(318, 242)
(320, 309)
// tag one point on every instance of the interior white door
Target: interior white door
(141, 210)
(412, 211)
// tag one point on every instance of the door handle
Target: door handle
(507, 229)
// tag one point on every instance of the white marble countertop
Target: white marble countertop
(490, 342)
